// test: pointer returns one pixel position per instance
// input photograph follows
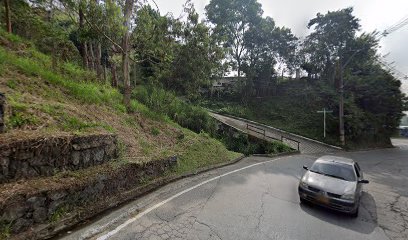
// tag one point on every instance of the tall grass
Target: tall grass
(88, 92)
(167, 103)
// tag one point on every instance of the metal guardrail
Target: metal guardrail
(257, 129)
(262, 131)
(293, 140)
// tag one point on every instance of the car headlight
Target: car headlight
(303, 184)
(348, 196)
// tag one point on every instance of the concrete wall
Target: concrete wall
(46, 156)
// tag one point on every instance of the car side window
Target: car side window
(357, 170)
(358, 166)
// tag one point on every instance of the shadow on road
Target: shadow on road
(387, 167)
(365, 223)
(280, 181)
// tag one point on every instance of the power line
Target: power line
(398, 25)
(401, 23)
(392, 69)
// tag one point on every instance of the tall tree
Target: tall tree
(127, 13)
(154, 41)
(331, 40)
(7, 15)
(83, 44)
(196, 58)
(341, 60)
(96, 10)
(232, 19)
(266, 45)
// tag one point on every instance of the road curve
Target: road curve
(257, 199)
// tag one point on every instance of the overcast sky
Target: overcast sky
(295, 14)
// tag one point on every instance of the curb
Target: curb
(370, 149)
(80, 217)
(46, 231)
(277, 155)
(277, 129)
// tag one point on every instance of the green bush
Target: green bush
(20, 119)
(11, 83)
(168, 104)
(242, 143)
(155, 131)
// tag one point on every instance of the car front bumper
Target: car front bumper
(341, 205)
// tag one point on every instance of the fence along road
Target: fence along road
(304, 145)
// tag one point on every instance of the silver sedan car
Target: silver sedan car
(333, 182)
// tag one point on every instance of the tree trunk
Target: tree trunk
(84, 50)
(98, 55)
(7, 15)
(91, 56)
(98, 58)
(239, 65)
(135, 70)
(125, 56)
(114, 76)
(104, 73)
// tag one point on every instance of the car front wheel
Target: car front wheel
(355, 213)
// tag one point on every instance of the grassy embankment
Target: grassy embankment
(294, 111)
(68, 100)
(44, 102)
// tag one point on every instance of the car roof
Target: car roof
(336, 159)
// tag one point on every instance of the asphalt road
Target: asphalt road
(257, 199)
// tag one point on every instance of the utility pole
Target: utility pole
(341, 92)
(341, 107)
(324, 120)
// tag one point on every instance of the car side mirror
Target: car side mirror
(363, 181)
(305, 167)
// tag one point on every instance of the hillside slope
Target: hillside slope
(294, 109)
(43, 102)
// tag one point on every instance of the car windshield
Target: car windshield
(336, 170)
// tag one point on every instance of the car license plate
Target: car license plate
(323, 199)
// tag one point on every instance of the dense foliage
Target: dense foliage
(336, 58)
(168, 104)
(127, 43)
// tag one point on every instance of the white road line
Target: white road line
(129, 221)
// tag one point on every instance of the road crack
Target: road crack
(260, 217)
(210, 228)
(399, 214)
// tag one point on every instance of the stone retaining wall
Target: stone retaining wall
(20, 211)
(46, 156)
